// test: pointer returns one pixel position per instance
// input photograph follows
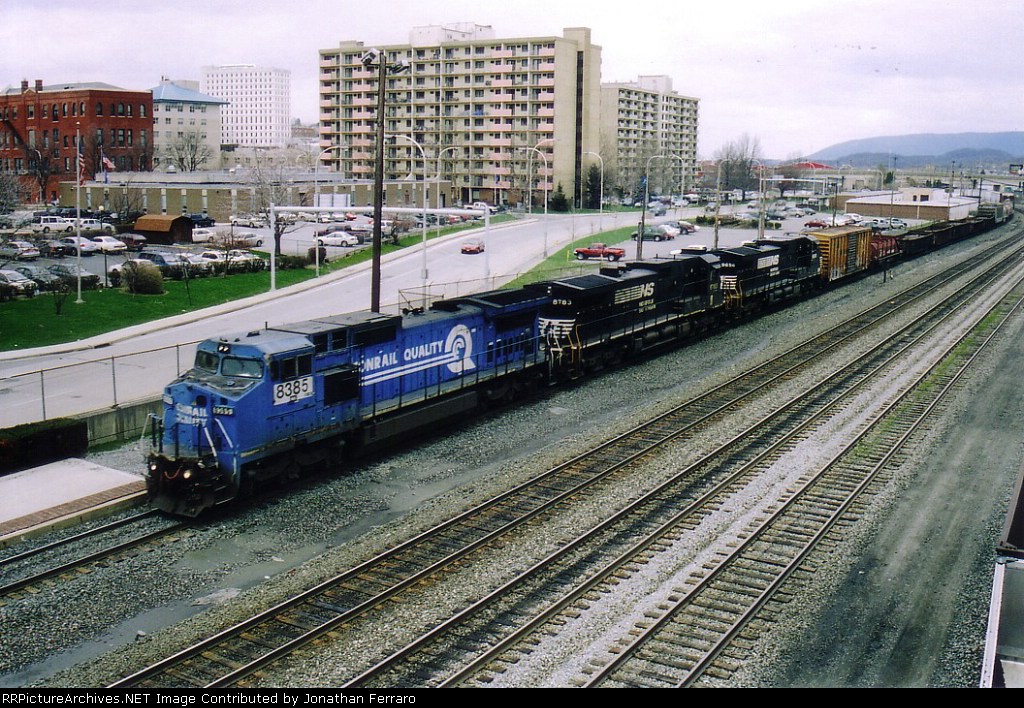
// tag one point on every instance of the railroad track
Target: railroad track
(238, 652)
(693, 635)
(62, 568)
(505, 627)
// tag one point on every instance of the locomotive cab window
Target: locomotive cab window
(241, 368)
(291, 368)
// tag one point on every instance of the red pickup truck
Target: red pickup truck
(600, 250)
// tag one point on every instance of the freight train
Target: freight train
(263, 406)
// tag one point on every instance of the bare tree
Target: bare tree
(270, 188)
(10, 192)
(736, 162)
(124, 201)
(188, 152)
(40, 166)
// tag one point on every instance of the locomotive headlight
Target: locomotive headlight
(152, 467)
(187, 474)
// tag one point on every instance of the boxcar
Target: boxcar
(845, 250)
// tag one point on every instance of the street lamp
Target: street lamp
(316, 197)
(316, 171)
(535, 149)
(375, 57)
(78, 210)
(423, 224)
(437, 180)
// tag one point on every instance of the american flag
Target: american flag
(107, 162)
(81, 164)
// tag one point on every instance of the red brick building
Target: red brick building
(40, 128)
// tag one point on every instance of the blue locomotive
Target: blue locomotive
(266, 404)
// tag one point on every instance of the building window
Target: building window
(99, 108)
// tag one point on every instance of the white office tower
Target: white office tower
(258, 112)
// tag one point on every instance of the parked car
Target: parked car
(134, 242)
(339, 238)
(95, 225)
(109, 244)
(886, 223)
(203, 235)
(333, 228)
(71, 272)
(254, 261)
(685, 227)
(250, 220)
(14, 283)
(815, 224)
(55, 249)
(19, 250)
(80, 244)
(233, 261)
(46, 224)
(668, 230)
(170, 264)
(201, 221)
(652, 233)
(43, 278)
(246, 240)
(472, 246)
(191, 264)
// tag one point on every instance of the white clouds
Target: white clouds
(797, 74)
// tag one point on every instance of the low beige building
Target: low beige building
(922, 203)
(222, 195)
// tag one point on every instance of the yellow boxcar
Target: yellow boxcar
(845, 250)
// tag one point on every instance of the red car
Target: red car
(815, 224)
(473, 246)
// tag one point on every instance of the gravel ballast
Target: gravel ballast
(254, 557)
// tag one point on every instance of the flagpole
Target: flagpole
(78, 212)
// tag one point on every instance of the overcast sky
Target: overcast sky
(797, 75)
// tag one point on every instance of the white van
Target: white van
(46, 224)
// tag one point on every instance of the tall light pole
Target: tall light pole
(376, 57)
(536, 149)
(78, 210)
(437, 180)
(423, 224)
(316, 171)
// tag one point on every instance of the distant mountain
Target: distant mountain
(928, 149)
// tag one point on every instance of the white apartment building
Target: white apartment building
(496, 116)
(186, 127)
(647, 128)
(258, 109)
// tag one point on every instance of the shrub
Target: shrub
(142, 278)
(290, 262)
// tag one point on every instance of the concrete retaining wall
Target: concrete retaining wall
(121, 424)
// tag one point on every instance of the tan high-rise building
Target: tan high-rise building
(492, 115)
(645, 124)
